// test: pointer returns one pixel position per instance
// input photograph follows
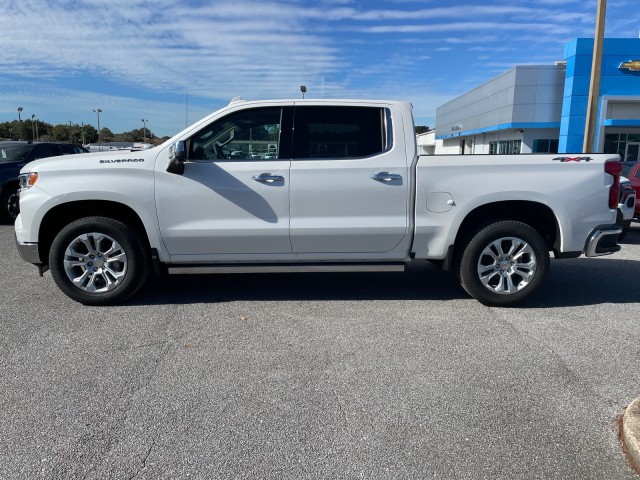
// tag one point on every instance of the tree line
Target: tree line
(28, 129)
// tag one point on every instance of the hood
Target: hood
(94, 160)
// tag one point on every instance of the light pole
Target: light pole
(33, 127)
(594, 85)
(144, 130)
(98, 112)
(20, 122)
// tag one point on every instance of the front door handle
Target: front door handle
(386, 177)
(268, 178)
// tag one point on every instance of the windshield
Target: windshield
(14, 153)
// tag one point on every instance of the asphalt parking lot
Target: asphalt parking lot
(291, 376)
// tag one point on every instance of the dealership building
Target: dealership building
(543, 108)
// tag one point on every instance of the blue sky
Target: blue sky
(135, 59)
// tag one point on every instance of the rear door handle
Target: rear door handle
(268, 178)
(386, 176)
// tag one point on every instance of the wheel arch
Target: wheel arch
(12, 183)
(63, 214)
(537, 215)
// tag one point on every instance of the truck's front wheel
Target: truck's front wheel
(504, 263)
(98, 261)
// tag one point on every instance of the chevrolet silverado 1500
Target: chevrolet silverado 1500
(311, 185)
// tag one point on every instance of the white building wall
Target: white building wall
(479, 144)
(426, 143)
(507, 108)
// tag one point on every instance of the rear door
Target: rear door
(349, 182)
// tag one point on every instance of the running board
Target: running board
(287, 268)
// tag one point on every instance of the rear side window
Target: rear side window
(340, 132)
(46, 150)
(70, 149)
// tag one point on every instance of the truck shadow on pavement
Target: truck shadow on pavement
(424, 282)
(571, 282)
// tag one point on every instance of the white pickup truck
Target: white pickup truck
(311, 185)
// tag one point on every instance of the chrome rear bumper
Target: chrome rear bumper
(603, 241)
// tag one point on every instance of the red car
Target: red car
(631, 170)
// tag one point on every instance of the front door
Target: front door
(233, 197)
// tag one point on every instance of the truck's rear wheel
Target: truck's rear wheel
(98, 261)
(504, 263)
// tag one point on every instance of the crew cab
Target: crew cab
(322, 185)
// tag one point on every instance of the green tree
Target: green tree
(60, 132)
(90, 134)
(8, 130)
(106, 135)
(123, 137)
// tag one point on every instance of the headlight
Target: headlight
(27, 180)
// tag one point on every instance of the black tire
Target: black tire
(626, 225)
(504, 263)
(115, 252)
(9, 204)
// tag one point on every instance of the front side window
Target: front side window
(14, 152)
(248, 134)
(340, 132)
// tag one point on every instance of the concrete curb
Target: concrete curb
(630, 433)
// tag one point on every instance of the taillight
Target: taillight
(614, 168)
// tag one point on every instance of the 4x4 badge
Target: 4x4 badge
(573, 159)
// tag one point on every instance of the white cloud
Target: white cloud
(465, 27)
(215, 50)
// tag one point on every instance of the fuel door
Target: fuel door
(439, 202)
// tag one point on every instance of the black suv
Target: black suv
(14, 156)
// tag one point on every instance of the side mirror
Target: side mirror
(177, 157)
(178, 151)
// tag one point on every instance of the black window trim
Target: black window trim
(285, 133)
(386, 127)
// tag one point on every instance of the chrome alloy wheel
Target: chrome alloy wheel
(95, 262)
(507, 265)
